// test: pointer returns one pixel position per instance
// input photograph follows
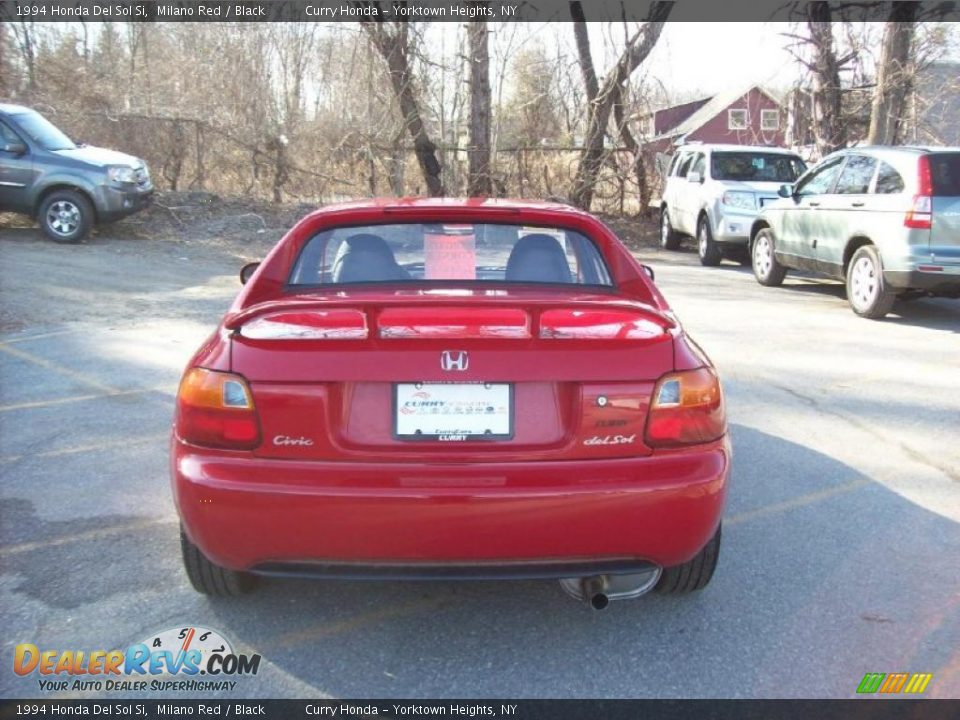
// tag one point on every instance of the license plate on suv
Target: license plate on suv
(453, 412)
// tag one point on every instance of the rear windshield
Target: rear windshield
(945, 174)
(756, 167)
(43, 131)
(415, 252)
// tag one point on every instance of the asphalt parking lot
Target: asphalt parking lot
(841, 539)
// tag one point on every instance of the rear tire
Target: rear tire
(766, 269)
(209, 578)
(707, 248)
(867, 293)
(65, 216)
(669, 240)
(694, 575)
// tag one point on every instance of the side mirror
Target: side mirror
(694, 177)
(14, 148)
(247, 271)
(649, 271)
(785, 191)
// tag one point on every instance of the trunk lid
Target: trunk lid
(579, 369)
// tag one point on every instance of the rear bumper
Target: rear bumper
(942, 282)
(449, 520)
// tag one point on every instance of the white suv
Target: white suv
(715, 192)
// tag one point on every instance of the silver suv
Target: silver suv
(884, 219)
(714, 193)
(67, 187)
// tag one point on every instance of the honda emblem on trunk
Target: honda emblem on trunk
(454, 360)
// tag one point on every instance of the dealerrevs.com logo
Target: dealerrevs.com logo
(188, 659)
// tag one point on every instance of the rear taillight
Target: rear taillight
(215, 409)
(600, 325)
(307, 325)
(686, 409)
(920, 214)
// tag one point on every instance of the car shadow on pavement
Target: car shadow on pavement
(934, 313)
(805, 581)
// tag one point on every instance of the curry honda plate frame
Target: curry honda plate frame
(453, 411)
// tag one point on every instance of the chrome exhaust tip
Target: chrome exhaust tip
(598, 590)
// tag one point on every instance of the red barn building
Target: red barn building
(740, 117)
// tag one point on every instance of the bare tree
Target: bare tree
(478, 181)
(894, 75)
(25, 36)
(392, 42)
(829, 130)
(603, 97)
(4, 61)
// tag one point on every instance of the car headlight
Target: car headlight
(744, 200)
(122, 174)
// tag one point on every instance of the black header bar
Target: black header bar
(862, 709)
(437, 10)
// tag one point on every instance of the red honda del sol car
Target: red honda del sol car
(451, 389)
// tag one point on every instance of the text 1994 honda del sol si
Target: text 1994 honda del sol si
(455, 389)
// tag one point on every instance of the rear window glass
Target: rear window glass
(856, 176)
(945, 174)
(888, 180)
(415, 252)
(755, 167)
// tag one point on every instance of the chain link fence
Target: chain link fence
(190, 154)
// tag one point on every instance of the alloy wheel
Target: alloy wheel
(63, 217)
(762, 256)
(864, 283)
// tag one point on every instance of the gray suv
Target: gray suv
(67, 187)
(884, 219)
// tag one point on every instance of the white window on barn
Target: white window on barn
(737, 120)
(769, 119)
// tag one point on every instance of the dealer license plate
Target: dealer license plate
(453, 412)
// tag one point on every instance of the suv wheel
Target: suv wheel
(867, 293)
(766, 269)
(209, 578)
(707, 248)
(66, 216)
(669, 240)
(693, 575)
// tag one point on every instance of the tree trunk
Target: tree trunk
(25, 37)
(602, 97)
(478, 154)
(395, 50)
(893, 76)
(630, 142)
(829, 130)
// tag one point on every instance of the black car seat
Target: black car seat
(538, 258)
(365, 257)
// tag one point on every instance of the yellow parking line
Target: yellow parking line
(87, 448)
(59, 369)
(797, 502)
(73, 399)
(38, 336)
(86, 536)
